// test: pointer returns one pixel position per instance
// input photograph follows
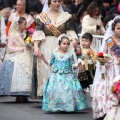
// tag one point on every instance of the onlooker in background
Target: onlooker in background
(107, 19)
(79, 6)
(79, 27)
(38, 6)
(35, 7)
(6, 13)
(8, 3)
(64, 5)
(92, 21)
(82, 7)
(107, 8)
(2, 39)
(71, 6)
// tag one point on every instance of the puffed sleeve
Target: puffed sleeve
(70, 30)
(38, 34)
(52, 60)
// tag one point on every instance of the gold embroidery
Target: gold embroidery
(49, 25)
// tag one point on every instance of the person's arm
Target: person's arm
(44, 59)
(52, 59)
(37, 52)
(38, 36)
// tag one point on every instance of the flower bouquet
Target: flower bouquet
(102, 58)
(28, 37)
(86, 54)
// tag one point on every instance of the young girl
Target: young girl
(16, 73)
(87, 61)
(63, 91)
(102, 103)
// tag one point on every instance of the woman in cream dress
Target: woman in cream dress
(20, 12)
(16, 72)
(92, 21)
(49, 25)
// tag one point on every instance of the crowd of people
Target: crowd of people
(41, 55)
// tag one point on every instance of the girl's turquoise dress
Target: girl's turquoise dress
(63, 91)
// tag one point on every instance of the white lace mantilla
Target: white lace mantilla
(24, 58)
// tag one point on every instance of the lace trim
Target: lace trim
(60, 20)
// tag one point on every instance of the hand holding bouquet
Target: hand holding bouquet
(102, 58)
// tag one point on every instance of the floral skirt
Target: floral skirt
(6, 74)
(63, 92)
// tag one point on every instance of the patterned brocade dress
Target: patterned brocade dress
(48, 43)
(63, 91)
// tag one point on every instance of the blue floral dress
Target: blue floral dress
(63, 91)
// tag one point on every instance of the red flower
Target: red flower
(88, 53)
(100, 54)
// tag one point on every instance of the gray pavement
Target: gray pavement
(10, 110)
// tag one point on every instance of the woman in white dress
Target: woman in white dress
(16, 72)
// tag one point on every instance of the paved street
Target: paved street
(10, 110)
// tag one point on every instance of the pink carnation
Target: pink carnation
(31, 30)
(117, 85)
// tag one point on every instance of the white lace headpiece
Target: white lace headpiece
(109, 32)
(46, 8)
(59, 39)
(14, 25)
(62, 35)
